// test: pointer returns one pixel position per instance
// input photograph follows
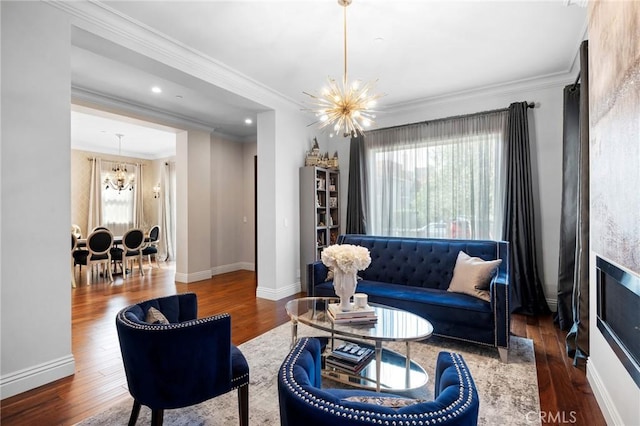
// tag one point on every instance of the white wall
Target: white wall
(545, 126)
(281, 149)
(248, 229)
(35, 197)
(193, 193)
(227, 204)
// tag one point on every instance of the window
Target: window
(117, 209)
(441, 179)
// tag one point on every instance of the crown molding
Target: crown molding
(104, 21)
(538, 83)
(125, 153)
(560, 78)
(88, 98)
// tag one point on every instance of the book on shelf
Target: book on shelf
(355, 312)
(350, 357)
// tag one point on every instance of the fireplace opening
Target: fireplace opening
(618, 309)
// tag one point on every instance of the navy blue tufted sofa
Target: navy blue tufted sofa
(414, 273)
(304, 402)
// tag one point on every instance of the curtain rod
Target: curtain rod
(116, 161)
(529, 105)
(577, 81)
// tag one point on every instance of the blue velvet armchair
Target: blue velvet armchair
(180, 363)
(304, 402)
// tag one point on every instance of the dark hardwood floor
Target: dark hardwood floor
(99, 381)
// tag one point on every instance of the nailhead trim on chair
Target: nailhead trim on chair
(244, 379)
(432, 418)
(160, 327)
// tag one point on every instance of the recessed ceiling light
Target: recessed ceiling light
(248, 121)
(156, 89)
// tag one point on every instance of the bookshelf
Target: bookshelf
(319, 214)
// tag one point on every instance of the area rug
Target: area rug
(508, 392)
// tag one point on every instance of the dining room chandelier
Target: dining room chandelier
(119, 179)
(346, 107)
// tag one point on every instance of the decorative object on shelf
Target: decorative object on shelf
(346, 260)
(346, 108)
(313, 156)
(333, 236)
(332, 163)
(120, 180)
(156, 191)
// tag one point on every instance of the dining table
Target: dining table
(117, 240)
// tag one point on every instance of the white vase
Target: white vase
(344, 285)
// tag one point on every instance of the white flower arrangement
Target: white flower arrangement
(346, 257)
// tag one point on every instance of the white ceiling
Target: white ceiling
(417, 50)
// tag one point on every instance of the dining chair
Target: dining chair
(116, 252)
(151, 249)
(75, 230)
(99, 245)
(74, 246)
(132, 243)
(173, 359)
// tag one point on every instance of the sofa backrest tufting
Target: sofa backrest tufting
(420, 262)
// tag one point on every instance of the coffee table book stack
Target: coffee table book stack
(357, 315)
(350, 357)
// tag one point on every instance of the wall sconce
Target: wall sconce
(156, 191)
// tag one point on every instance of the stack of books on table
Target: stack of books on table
(364, 315)
(350, 357)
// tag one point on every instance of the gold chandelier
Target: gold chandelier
(120, 180)
(347, 107)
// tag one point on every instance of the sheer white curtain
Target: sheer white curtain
(442, 178)
(168, 200)
(117, 206)
(95, 195)
(138, 199)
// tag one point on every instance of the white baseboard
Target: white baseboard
(608, 408)
(248, 266)
(29, 378)
(280, 293)
(181, 277)
(205, 275)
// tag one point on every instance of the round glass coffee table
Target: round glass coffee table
(391, 370)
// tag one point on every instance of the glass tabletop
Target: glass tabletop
(392, 325)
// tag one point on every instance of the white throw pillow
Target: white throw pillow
(472, 275)
(154, 316)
